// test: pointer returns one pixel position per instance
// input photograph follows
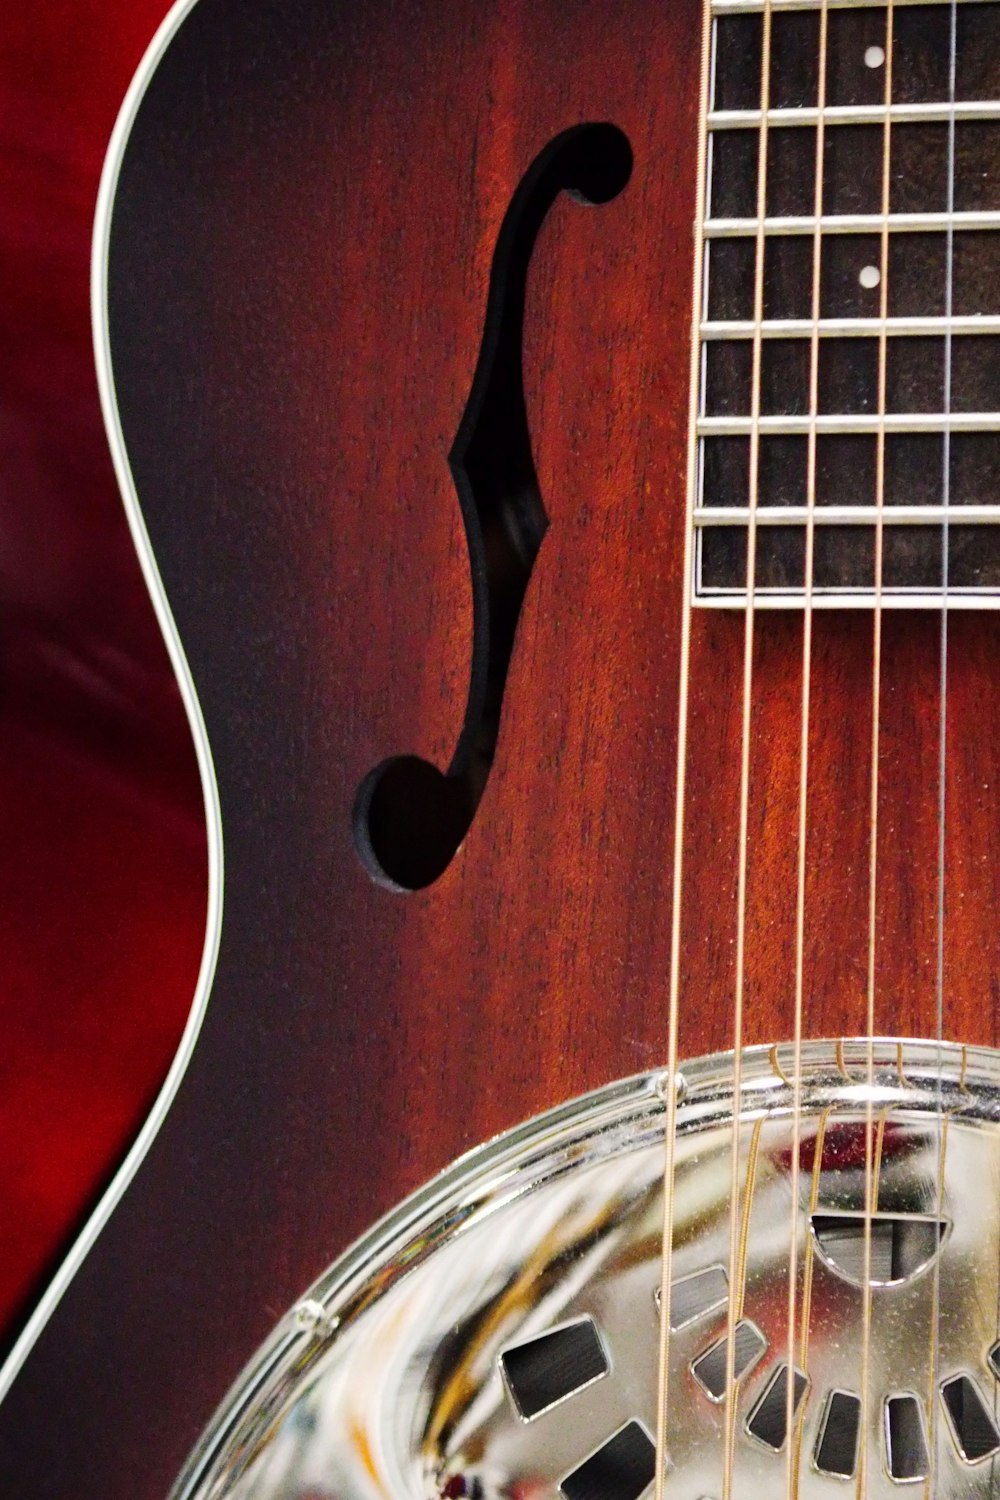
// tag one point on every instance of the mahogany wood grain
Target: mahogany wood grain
(300, 262)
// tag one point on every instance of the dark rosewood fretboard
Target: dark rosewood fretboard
(939, 415)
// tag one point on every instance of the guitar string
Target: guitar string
(793, 1439)
(671, 1077)
(807, 1279)
(866, 1290)
(942, 1126)
(735, 1298)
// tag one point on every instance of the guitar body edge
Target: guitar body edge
(131, 1163)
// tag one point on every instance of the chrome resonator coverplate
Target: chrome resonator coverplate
(497, 1336)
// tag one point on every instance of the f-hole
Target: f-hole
(409, 817)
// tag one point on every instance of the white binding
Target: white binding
(102, 354)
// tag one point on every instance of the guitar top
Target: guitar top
(580, 686)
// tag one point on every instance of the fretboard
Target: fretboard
(850, 332)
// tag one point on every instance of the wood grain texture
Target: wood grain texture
(300, 261)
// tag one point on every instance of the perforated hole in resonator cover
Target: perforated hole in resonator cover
(972, 1426)
(905, 1438)
(709, 1369)
(692, 1297)
(557, 1364)
(621, 1469)
(767, 1421)
(837, 1444)
(899, 1245)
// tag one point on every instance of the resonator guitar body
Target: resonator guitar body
(535, 419)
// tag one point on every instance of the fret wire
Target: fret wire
(847, 515)
(856, 114)
(864, 423)
(784, 328)
(841, 596)
(755, 7)
(852, 223)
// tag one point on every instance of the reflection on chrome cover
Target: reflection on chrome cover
(498, 1335)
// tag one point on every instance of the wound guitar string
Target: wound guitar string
(793, 1427)
(736, 1217)
(942, 1122)
(870, 1162)
(671, 1077)
(881, 423)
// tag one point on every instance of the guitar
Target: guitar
(588, 632)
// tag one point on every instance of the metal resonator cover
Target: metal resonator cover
(497, 1336)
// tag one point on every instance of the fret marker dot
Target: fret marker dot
(869, 277)
(874, 57)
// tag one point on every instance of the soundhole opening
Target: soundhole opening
(409, 816)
